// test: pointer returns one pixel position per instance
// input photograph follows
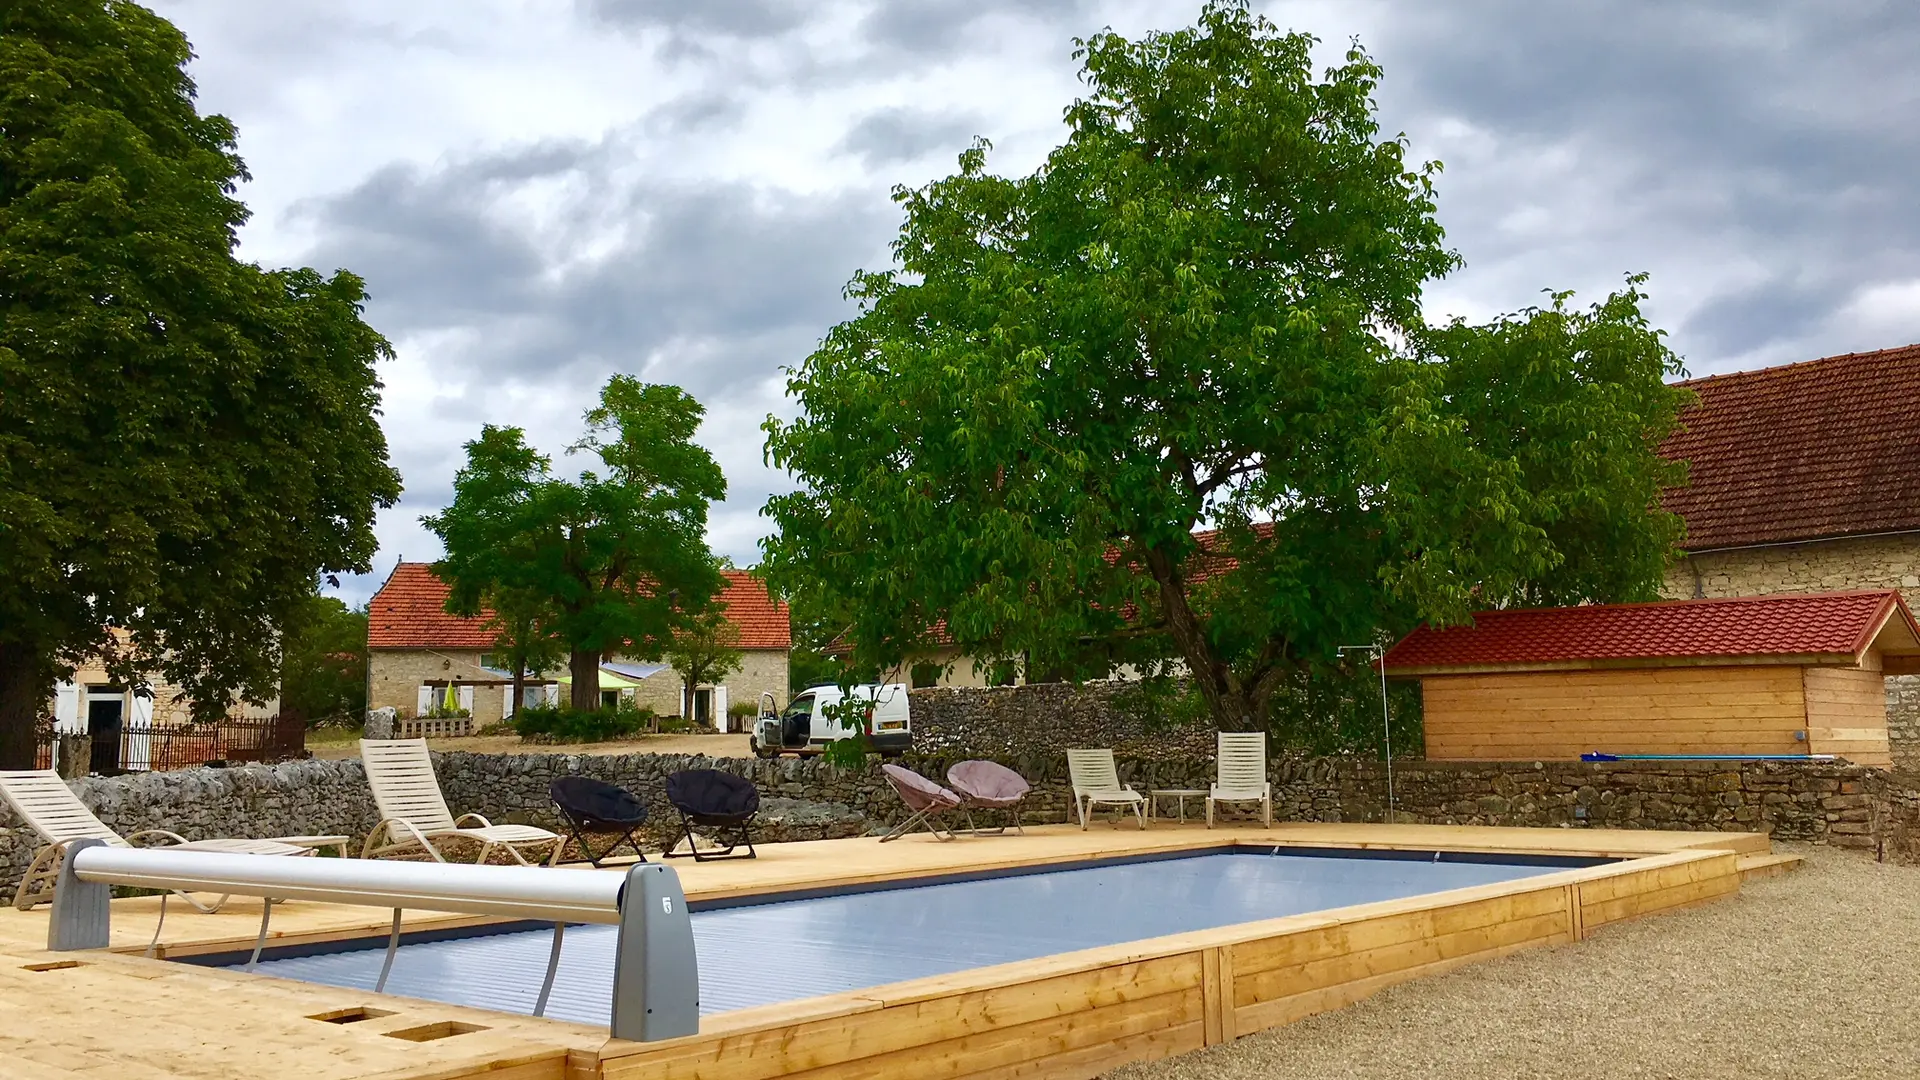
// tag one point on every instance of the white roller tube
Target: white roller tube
(549, 894)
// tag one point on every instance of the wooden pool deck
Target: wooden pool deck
(118, 1013)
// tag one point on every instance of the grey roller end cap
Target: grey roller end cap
(656, 976)
(80, 908)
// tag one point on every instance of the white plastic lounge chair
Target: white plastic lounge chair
(1097, 783)
(49, 807)
(1240, 765)
(414, 815)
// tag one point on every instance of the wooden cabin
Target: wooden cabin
(1762, 675)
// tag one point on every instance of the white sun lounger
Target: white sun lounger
(414, 814)
(1097, 783)
(1240, 766)
(49, 807)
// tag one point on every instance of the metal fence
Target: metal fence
(150, 747)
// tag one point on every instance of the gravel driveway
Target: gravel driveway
(1815, 974)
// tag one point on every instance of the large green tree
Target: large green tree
(323, 665)
(706, 650)
(522, 621)
(619, 554)
(187, 441)
(1203, 314)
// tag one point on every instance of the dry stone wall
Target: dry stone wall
(1046, 718)
(1843, 805)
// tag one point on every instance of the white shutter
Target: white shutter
(142, 710)
(553, 694)
(466, 698)
(719, 716)
(139, 737)
(506, 702)
(66, 709)
(426, 701)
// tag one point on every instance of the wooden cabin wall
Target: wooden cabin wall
(1847, 714)
(1559, 715)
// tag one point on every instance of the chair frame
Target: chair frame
(31, 795)
(1096, 783)
(969, 803)
(414, 816)
(580, 832)
(927, 816)
(1240, 773)
(732, 834)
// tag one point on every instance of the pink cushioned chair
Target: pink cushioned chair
(925, 798)
(988, 785)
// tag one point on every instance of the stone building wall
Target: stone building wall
(399, 673)
(1843, 805)
(1860, 562)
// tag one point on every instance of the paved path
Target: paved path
(1814, 975)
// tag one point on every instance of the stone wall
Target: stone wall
(1859, 562)
(1844, 805)
(1046, 718)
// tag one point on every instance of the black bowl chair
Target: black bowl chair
(589, 806)
(718, 801)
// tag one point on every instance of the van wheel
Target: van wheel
(763, 753)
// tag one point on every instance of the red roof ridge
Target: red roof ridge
(1792, 367)
(1811, 626)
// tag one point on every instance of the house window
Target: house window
(925, 675)
(609, 699)
(1003, 673)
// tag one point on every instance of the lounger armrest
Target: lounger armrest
(170, 836)
(461, 822)
(389, 826)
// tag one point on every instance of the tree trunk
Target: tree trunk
(1233, 708)
(519, 689)
(585, 667)
(686, 698)
(24, 688)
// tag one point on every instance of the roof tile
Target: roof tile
(409, 612)
(1738, 627)
(1803, 451)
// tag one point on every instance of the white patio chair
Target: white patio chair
(49, 807)
(1097, 783)
(1240, 766)
(414, 815)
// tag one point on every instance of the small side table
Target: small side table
(1180, 797)
(317, 842)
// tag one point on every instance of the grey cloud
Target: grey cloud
(711, 286)
(895, 135)
(696, 114)
(940, 26)
(725, 18)
(1767, 134)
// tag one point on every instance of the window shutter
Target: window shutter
(553, 694)
(466, 698)
(66, 708)
(426, 701)
(507, 702)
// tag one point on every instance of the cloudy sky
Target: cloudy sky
(541, 193)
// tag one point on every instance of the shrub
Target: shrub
(745, 709)
(561, 724)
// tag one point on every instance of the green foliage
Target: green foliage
(187, 440)
(743, 709)
(1204, 311)
(323, 662)
(562, 724)
(704, 650)
(618, 556)
(855, 714)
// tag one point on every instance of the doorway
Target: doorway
(106, 712)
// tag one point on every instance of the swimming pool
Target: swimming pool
(763, 950)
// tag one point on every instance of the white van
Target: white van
(806, 728)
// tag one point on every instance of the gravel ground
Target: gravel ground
(1811, 975)
(711, 745)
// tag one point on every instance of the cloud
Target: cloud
(928, 27)
(724, 18)
(895, 135)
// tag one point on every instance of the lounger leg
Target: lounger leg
(1140, 811)
(1209, 811)
(37, 886)
(1082, 807)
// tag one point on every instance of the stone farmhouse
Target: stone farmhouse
(1805, 478)
(419, 654)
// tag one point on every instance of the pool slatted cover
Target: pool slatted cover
(803, 948)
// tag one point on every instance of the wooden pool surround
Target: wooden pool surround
(1072, 1015)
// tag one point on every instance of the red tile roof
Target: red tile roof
(409, 612)
(1829, 624)
(1801, 451)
